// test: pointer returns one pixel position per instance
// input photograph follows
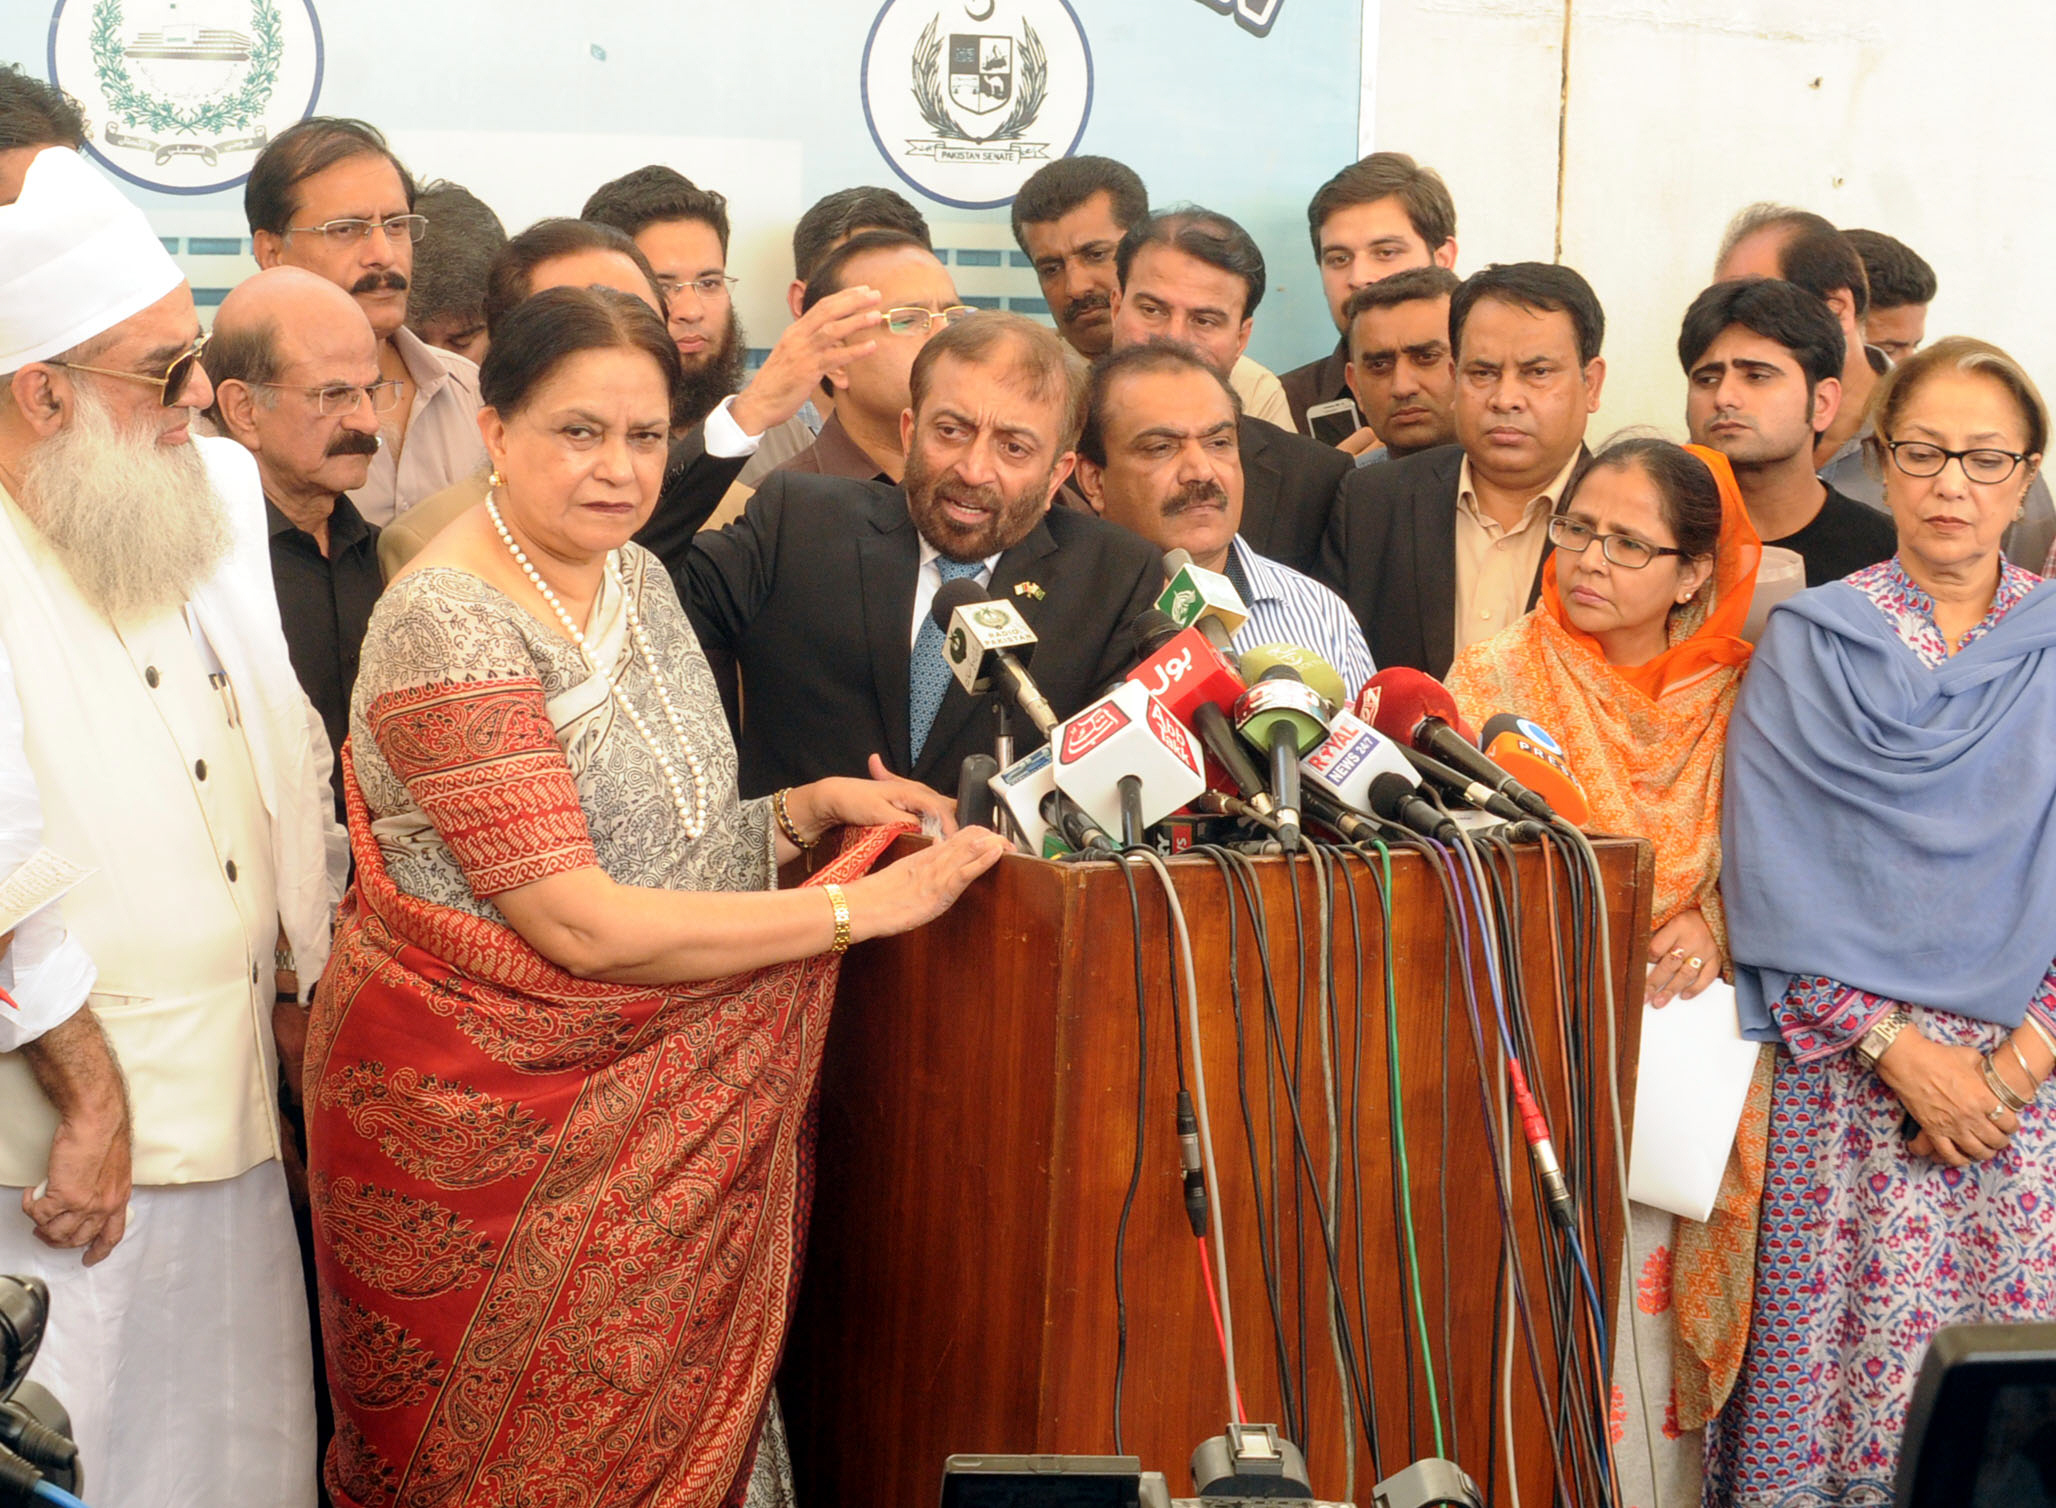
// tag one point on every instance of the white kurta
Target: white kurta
(180, 760)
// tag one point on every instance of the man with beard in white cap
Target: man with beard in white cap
(176, 757)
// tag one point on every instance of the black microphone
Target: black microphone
(1416, 710)
(1394, 798)
(974, 790)
(1084, 835)
(980, 633)
(1284, 718)
(1458, 784)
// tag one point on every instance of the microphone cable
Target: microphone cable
(1135, 1170)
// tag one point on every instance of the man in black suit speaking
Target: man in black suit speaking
(819, 592)
(1195, 277)
(1444, 548)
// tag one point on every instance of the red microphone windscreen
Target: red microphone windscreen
(1396, 701)
(1188, 671)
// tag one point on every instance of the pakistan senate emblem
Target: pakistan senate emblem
(966, 100)
(181, 95)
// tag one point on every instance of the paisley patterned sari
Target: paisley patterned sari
(558, 1221)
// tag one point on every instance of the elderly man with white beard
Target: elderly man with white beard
(177, 759)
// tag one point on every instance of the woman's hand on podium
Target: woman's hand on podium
(923, 885)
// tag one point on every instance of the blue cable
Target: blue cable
(50, 1492)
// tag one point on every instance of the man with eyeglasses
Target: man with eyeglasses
(177, 761)
(329, 196)
(861, 436)
(295, 371)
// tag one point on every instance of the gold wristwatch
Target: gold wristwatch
(1872, 1044)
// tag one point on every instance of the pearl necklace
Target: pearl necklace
(694, 813)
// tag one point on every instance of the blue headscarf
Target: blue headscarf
(1888, 825)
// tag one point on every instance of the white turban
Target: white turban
(76, 259)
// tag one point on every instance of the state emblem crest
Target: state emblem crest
(181, 95)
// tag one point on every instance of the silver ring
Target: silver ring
(1995, 1112)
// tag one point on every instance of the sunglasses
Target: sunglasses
(169, 384)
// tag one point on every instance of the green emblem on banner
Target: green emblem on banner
(258, 53)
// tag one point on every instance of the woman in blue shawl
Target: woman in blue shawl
(1890, 832)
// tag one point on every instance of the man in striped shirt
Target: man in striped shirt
(1159, 456)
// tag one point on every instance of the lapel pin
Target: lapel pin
(1029, 589)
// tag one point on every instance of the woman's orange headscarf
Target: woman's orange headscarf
(1647, 741)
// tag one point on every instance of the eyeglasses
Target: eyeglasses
(342, 397)
(169, 384)
(1624, 550)
(713, 285)
(911, 319)
(1918, 458)
(344, 233)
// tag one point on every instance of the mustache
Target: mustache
(1196, 495)
(377, 282)
(351, 442)
(987, 497)
(1086, 303)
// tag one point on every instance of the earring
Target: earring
(495, 482)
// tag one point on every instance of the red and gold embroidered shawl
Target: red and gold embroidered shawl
(558, 1222)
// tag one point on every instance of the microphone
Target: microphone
(1127, 761)
(974, 791)
(1394, 798)
(1353, 754)
(1200, 686)
(1472, 793)
(1526, 751)
(1417, 710)
(1284, 717)
(1027, 788)
(1198, 598)
(1314, 670)
(980, 634)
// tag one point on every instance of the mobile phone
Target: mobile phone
(1334, 421)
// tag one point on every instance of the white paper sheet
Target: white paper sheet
(1689, 1091)
(40, 879)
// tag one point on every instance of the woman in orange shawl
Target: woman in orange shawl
(1633, 660)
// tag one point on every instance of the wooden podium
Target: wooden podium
(977, 1135)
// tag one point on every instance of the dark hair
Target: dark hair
(1387, 175)
(1898, 275)
(845, 213)
(1149, 358)
(1043, 366)
(1776, 310)
(453, 259)
(36, 114)
(654, 195)
(1956, 353)
(1686, 484)
(540, 333)
(1054, 191)
(314, 145)
(511, 278)
(240, 353)
(1401, 288)
(1546, 286)
(827, 277)
(1202, 234)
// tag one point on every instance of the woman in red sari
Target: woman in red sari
(560, 1063)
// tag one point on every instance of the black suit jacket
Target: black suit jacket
(811, 592)
(694, 484)
(1390, 553)
(1288, 490)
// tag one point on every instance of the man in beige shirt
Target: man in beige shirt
(329, 195)
(1443, 548)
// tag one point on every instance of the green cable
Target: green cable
(1413, 1254)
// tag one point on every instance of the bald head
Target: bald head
(294, 363)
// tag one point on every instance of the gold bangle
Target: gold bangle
(842, 918)
(785, 823)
